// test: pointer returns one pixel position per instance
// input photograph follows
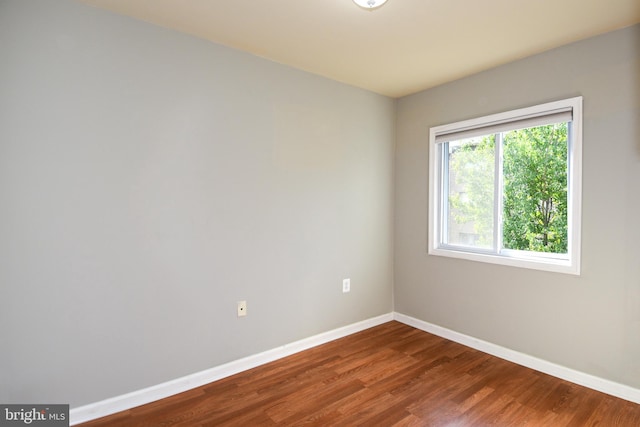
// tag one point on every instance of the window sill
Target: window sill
(543, 264)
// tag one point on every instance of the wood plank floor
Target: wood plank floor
(389, 375)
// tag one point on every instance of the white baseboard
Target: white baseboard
(587, 380)
(110, 406)
(140, 397)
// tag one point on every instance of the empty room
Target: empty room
(342, 212)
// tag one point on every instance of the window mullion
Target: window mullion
(500, 191)
(498, 194)
(444, 191)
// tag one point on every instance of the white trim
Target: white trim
(577, 377)
(112, 405)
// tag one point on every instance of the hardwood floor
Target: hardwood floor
(390, 375)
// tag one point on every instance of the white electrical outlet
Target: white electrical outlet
(346, 285)
(242, 308)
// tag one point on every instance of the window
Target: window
(506, 188)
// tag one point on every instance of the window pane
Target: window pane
(535, 189)
(470, 192)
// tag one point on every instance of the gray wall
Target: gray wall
(149, 180)
(592, 322)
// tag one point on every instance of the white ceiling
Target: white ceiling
(401, 48)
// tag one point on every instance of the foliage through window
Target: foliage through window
(506, 188)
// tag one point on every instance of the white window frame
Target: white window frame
(496, 123)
